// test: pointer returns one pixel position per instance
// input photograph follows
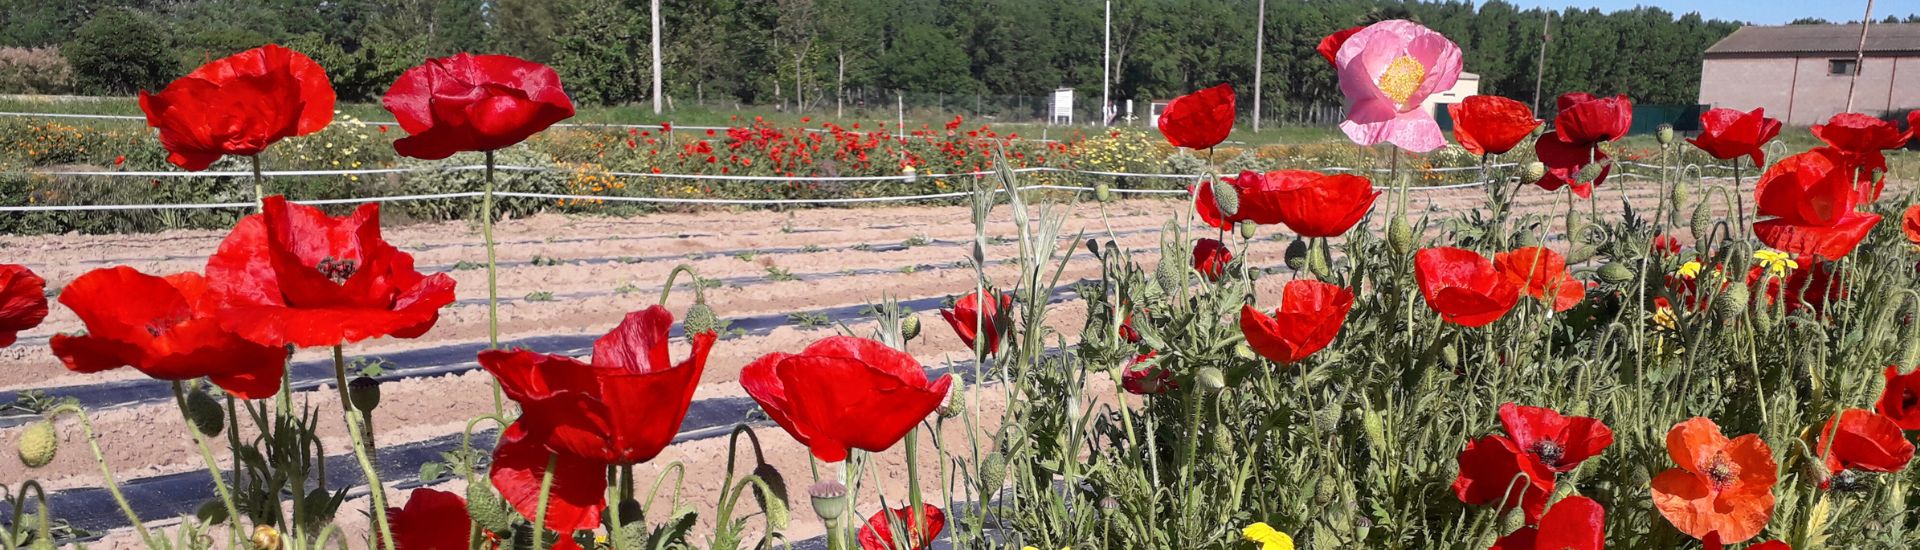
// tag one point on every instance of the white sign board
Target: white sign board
(1062, 106)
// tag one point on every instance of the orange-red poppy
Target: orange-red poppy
(1721, 485)
(1863, 441)
(1542, 274)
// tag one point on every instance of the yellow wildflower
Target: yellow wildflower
(1268, 537)
(1691, 269)
(1776, 262)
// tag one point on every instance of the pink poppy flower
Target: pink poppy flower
(1386, 71)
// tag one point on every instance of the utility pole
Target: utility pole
(1106, 62)
(1259, 52)
(1540, 69)
(656, 57)
(1860, 55)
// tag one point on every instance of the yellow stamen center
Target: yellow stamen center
(1402, 77)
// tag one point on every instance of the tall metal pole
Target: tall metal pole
(656, 57)
(1540, 69)
(1106, 62)
(1860, 55)
(1259, 52)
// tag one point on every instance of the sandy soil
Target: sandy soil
(579, 264)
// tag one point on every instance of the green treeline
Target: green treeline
(764, 51)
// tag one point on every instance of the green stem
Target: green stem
(377, 491)
(106, 472)
(259, 185)
(493, 281)
(546, 488)
(213, 468)
(913, 485)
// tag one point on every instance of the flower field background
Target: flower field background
(1654, 342)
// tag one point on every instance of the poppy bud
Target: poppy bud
(1910, 354)
(1616, 273)
(956, 401)
(1579, 254)
(1324, 492)
(1664, 134)
(1374, 427)
(909, 327)
(1536, 170)
(1223, 443)
(993, 472)
(700, 318)
(631, 512)
(1327, 419)
(1488, 539)
(1226, 198)
(205, 413)
(1702, 222)
(38, 444)
(1513, 520)
(1297, 255)
(1244, 351)
(1171, 273)
(1526, 239)
(1210, 379)
(1451, 356)
(776, 508)
(1103, 193)
(1318, 263)
(1679, 195)
(1577, 223)
(364, 393)
(265, 537)
(1731, 303)
(1248, 229)
(1399, 236)
(488, 511)
(829, 500)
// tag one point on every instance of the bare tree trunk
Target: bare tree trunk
(799, 93)
(840, 88)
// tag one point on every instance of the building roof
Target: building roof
(1883, 39)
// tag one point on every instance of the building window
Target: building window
(1843, 67)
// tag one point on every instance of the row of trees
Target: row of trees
(789, 51)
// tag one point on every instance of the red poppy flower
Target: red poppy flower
(432, 520)
(1712, 542)
(1567, 165)
(1864, 441)
(167, 328)
(293, 275)
(1490, 124)
(877, 532)
(1860, 140)
(1729, 134)
(1491, 474)
(1310, 315)
(1199, 120)
(844, 392)
(1587, 120)
(621, 409)
(1811, 201)
(1211, 258)
(1665, 245)
(1561, 443)
(1721, 484)
(1319, 205)
(1900, 401)
(1151, 380)
(473, 103)
(1574, 523)
(23, 301)
(239, 105)
(1542, 274)
(1330, 46)
(1463, 286)
(1910, 222)
(968, 317)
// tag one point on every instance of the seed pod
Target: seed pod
(1536, 170)
(206, 414)
(1210, 379)
(956, 403)
(38, 444)
(363, 392)
(909, 327)
(700, 318)
(1226, 198)
(1399, 236)
(1664, 134)
(1297, 254)
(1616, 273)
(1248, 229)
(487, 509)
(829, 499)
(1103, 192)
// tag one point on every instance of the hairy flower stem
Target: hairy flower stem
(1740, 214)
(913, 482)
(213, 468)
(376, 491)
(546, 489)
(106, 472)
(493, 281)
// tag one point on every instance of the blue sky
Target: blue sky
(1763, 12)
